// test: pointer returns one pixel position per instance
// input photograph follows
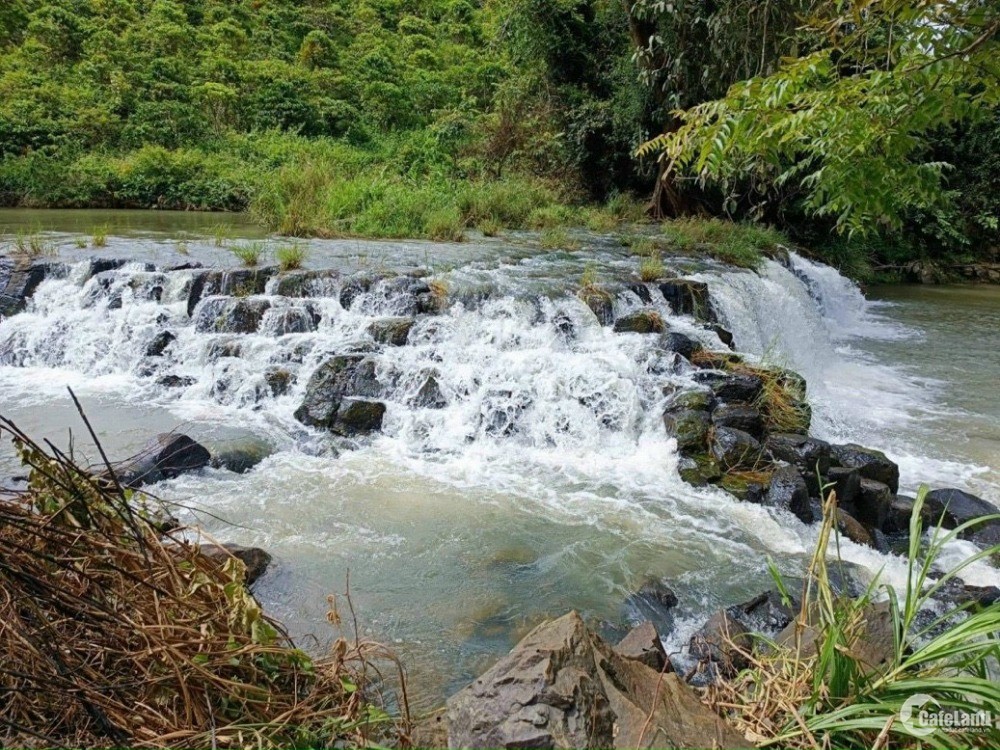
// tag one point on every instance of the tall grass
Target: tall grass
(828, 696)
(651, 268)
(743, 245)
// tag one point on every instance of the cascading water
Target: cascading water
(539, 478)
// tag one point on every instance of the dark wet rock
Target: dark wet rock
(809, 455)
(641, 321)
(19, 278)
(391, 331)
(723, 640)
(655, 601)
(851, 528)
(740, 416)
(953, 507)
(429, 396)
(847, 484)
(186, 266)
(322, 283)
(176, 381)
(873, 503)
(166, 456)
(697, 399)
(643, 644)
(243, 282)
(342, 377)
(600, 303)
(564, 687)
(735, 449)
(678, 342)
(255, 560)
(900, 513)
(961, 594)
(102, 265)
(725, 335)
(688, 298)
(642, 292)
(765, 613)
(731, 387)
(743, 488)
(564, 326)
(353, 288)
(297, 319)
(230, 314)
(220, 348)
(699, 469)
(689, 427)
(788, 490)
(872, 464)
(160, 343)
(278, 380)
(358, 417)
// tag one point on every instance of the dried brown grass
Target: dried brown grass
(111, 634)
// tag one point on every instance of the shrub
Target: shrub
(444, 224)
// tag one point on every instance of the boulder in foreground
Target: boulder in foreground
(563, 687)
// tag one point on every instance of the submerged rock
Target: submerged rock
(429, 396)
(278, 380)
(322, 283)
(242, 282)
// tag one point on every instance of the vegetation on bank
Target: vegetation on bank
(425, 118)
(821, 689)
(115, 633)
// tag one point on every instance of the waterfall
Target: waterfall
(539, 475)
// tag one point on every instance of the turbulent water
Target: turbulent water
(545, 483)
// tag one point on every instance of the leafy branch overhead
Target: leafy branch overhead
(845, 124)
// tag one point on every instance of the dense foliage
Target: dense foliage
(424, 117)
(877, 126)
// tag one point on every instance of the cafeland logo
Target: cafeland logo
(922, 715)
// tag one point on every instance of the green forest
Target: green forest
(865, 129)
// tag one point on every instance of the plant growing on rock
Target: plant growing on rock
(651, 268)
(291, 257)
(99, 236)
(249, 254)
(557, 238)
(32, 244)
(850, 666)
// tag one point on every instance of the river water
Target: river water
(547, 481)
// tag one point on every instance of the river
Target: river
(547, 482)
